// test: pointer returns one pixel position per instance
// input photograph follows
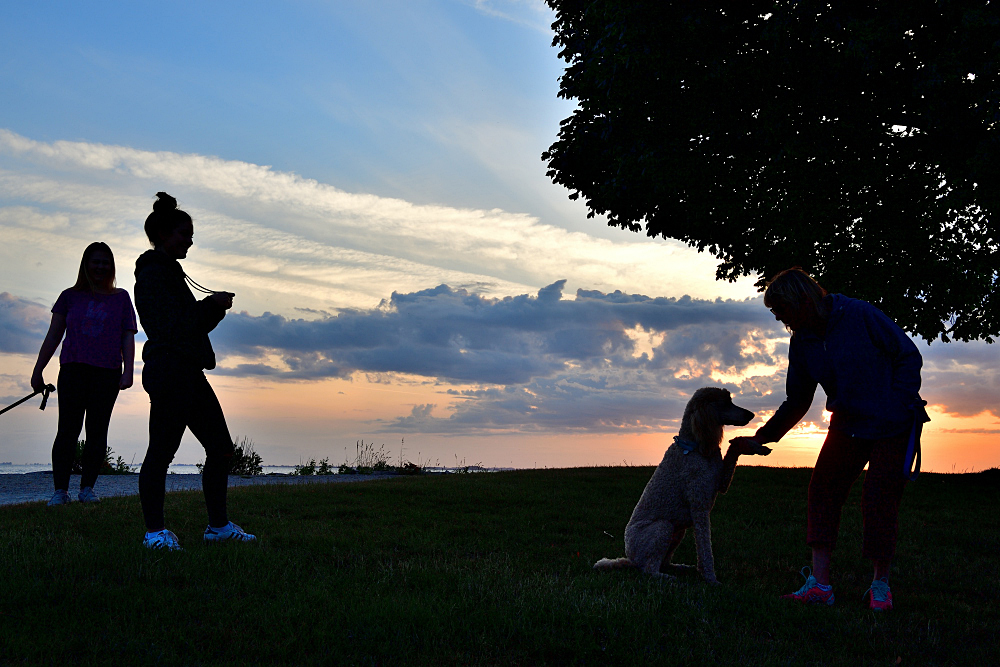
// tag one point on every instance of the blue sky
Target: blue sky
(366, 176)
(433, 102)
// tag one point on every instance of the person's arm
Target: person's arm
(800, 388)
(57, 327)
(128, 357)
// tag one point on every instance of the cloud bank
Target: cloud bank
(541, 363)
(22, 325)
(599, 362)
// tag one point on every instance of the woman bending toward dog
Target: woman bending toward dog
(96, 362)
(870, 371)
(175, 357)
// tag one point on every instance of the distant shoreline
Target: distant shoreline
(18, 488)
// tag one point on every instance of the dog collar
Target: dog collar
(687, 445)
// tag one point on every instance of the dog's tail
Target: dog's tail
(613, 564)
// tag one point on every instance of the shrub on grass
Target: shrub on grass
(108, 467)
(368, 460)
(245, 462)
(313, 468)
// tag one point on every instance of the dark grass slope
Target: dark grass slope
(491, 569)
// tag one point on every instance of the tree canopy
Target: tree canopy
(859, 140)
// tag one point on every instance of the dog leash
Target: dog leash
(44, 391)
(913, 446)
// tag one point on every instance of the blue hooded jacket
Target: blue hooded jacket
(869, 369)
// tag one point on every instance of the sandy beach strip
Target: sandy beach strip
(37, 486)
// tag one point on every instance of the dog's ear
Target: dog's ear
(707, 427)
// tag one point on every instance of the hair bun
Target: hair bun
(164, 203)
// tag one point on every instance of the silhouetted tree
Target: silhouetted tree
(859, 140)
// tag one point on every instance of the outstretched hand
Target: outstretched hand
(746, 445)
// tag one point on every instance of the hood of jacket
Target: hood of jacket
(157, 257)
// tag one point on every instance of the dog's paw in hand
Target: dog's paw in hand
(748, 446)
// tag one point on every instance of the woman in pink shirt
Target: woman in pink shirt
(98, 321)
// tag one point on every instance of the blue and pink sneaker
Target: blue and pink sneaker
(879, 595)
(812, 592)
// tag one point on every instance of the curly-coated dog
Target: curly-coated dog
(682, 490)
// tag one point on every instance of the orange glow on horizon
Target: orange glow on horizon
(334, 413)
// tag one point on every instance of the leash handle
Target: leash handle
(48, 389)
(45, 391)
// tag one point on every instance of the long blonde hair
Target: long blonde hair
(793, 288)
(83, 280)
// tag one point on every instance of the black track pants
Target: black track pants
(181, 397)
(90, 392)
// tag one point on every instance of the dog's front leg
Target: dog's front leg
(728, 469)
(703, 543)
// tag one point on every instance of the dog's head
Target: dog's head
(708, 411)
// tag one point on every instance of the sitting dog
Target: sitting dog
(682, 490)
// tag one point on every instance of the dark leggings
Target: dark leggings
(83, 390)
(180, 397)
(840, 462)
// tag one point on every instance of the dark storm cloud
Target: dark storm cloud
(459, 336)
(538, 363)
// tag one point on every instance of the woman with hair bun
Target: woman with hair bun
(95, 364)
(175, 357)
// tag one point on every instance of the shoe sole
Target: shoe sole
(810, 600)
(218, 540)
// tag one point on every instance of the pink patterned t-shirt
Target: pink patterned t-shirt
(94, 326)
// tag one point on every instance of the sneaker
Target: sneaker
(87, 495)
(811, 592)
(60, 497)
(163, 539)
(879, 595)
(230, 532)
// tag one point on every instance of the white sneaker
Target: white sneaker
(163, 539)
(229, 532)
(60, 497)
(87, 495)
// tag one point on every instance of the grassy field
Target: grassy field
(492, 569)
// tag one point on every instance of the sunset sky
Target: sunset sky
(366, 177)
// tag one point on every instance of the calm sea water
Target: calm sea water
(8, 468)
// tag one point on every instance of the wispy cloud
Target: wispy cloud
(277, 233)
(534, 14)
